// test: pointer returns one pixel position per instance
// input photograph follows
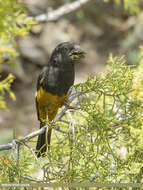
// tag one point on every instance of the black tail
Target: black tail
(41, 146)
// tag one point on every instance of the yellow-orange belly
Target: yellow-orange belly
(48, 104)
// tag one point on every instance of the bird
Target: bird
(53, 85)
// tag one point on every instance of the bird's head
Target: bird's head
(67, 52)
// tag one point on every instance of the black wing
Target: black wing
(41, 77)
(39, 84)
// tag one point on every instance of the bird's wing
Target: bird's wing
(39, 84)
(41, 77)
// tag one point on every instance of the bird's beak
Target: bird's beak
(77, 53)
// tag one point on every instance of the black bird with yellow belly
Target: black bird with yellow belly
(53, 85)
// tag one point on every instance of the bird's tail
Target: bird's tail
(42, 142)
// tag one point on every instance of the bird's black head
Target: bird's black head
(67, 52)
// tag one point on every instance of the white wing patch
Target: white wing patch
(36, 94)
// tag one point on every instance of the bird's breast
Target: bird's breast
(48, 100)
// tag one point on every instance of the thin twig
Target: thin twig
(31, 179)
(69, 101)
(35, 133)
(16, 151)
(66, 122)
(73, 125)
(59, 130)
(31, 150)
(64, 10)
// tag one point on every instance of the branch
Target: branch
(73, 125)
(25, 139)
(6, 146)
(16, 151)
(31, 179)
(61, 11)
(69, 101)
(42, 130)
(31, 150)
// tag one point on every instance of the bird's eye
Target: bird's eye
(55, 63)
(66, 48)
